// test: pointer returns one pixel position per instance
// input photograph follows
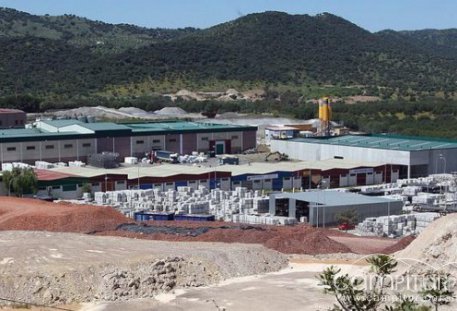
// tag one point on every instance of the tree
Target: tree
(352, 296)
(349, 217)
(437, 289)
(20, 181)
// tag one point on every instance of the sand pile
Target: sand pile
(31, 214)
(434, 248)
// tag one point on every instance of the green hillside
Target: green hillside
(80, 31)
(68, 56)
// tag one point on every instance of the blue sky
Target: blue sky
(373, 15)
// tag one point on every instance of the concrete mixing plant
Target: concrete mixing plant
(325, 115)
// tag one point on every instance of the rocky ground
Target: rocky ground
(60, 268)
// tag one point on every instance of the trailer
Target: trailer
(167, 156)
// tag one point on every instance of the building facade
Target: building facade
(412, 156)
(68, 140)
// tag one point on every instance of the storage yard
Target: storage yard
(163, 207)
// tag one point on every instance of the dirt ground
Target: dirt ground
(51, 268)
(30, 214)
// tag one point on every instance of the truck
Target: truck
(167, 156)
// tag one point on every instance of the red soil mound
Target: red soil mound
(401, 244)
(31, 214)
(299, 239)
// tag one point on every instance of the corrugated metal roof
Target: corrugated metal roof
(255, 168)
(180, 126)
(48, 175)
(334, 198)
(390, 142)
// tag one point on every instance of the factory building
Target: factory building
(68, 140)
(321, 208)
(12, 118)
(410, 156)
(256, 176)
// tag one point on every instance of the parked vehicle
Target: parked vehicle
(167, 156)
(345, 226)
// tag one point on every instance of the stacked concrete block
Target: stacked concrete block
(226, 205)
(397, 225)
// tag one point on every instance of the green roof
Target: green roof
(62, 123)
(105, 126)
(390, 142)
(183, 126)
(100, 129)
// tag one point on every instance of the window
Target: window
(86, 145)
(56, 187)
(172, 140)
(169, 184)
(204, 138)
(224, 179)
(121, 182)
(236, 182)
(11, 149)
(286, 178)
(16, 122)
(140, 142)
(69, 188)
(203, 181)
(256, 181)
(30, 148)
(155, 141)
(49, 146)
(235, 137)
(95, 184)
(267, 180)
(42, 188)
(68, 146)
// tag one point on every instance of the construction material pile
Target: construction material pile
(241, 205)
(434, 248)
(397, 225)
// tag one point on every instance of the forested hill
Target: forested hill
(68, 55)
(80, 31)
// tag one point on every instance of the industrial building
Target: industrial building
(412, 156)
(68, 140)
(12, 118)
(332, 173)
(321, 208)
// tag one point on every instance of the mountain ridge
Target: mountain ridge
(69, 56)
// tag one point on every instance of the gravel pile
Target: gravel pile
(61, 268)
(170, 111)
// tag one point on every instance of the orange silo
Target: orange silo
(321, 110)
(325, 114)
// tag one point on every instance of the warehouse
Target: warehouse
(68, 140)
(413, 156)
(257, 176)
(321, 208)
